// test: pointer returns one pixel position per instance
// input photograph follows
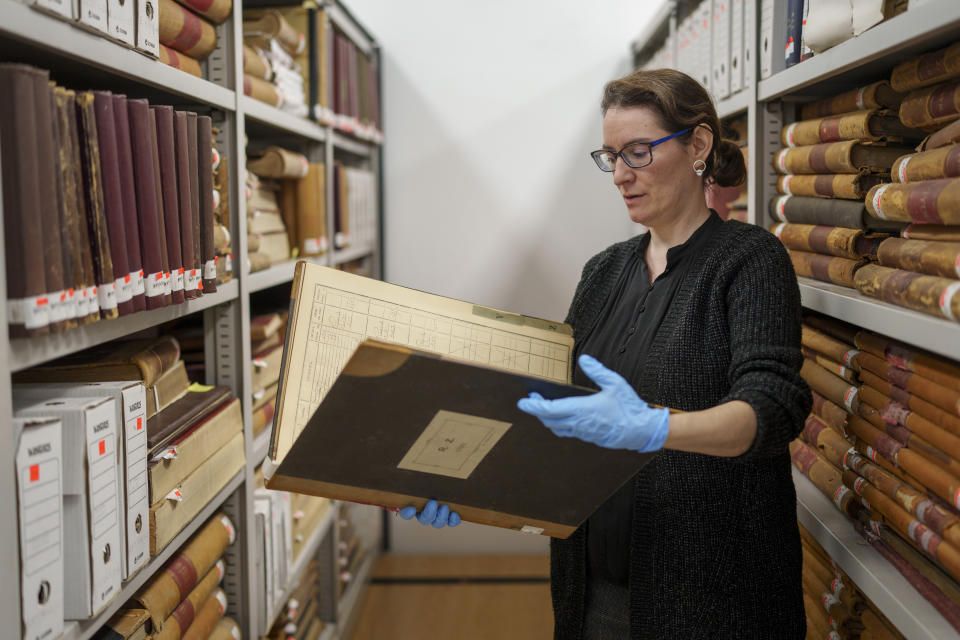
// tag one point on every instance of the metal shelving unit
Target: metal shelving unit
(880, 581)
(87, 59)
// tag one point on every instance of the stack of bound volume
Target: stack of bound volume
(834, 605)
(109, 201)
(275, 61)
(355, 207)
(920, 269)
(184, 600)
(883, 443)
(266, 344)
(274, 176)
(356, 90)
(187, 38)
(830, 158)
(299, 617)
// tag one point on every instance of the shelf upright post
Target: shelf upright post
(753, 117)
(10, 554)
(376, 164)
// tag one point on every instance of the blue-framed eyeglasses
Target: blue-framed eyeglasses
(636, 154)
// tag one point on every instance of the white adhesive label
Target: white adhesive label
(170, 453)
(876, 201)
(154, 285)
(839, 495)
(860, 104)
(228, 526)
(850, 397)
(782, 160)
(297, 514)
(787, 179)
(779, 229)
(138, 286)
(259, 363)
(192, 280)
(531, 530)
(93, 303)
(167, 283)
(905, 232)
(32, 313)
(781, 208)
(178, 280)
(57, 310)
(858, 486)
(176, 495)
(107, 295)
(790, 142)
(946, 300)
(221, 568)
(124, 288)
(875, 527)
(222, 600)
(828, 600)
(229, 264)
(956, 266)
(850, 458)
(216, 198)
(70, 304)
(849, 356)
(216, 158)
(210, 269)
(311, 245)
(902, 170)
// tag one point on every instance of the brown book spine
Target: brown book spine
(932, 107)
(859, 125)
(824, 268)
(311, 216)
(191, 268)
(830, 347)
(930, 294)
(261, 90)
(927, 202)
(147, 214)
(829, 442)
(216, 11)
(944, 397)
(180, 61)
(185, 31)
(824, 476)
(818, 211)
(933, 258)
(129, 194)
(830, 386)
(834, 241)
(928, 165)
(910, 359)
(96, 217)
(928, 69)
(207, 617)
(890, 412)
(341, 199)
(277, 162)
(937, 232)
(833, 415)
(113, 200)
(186, 612)
(194, 176)
(161, 219)
(171, 202)
(837, 157)
(208, 251)
(88, 306)
(930, 411)
(833, 367)
(942, 137)
(256, 65)
(873, 96)
(27, 303)
(166, 590)
(49, 212)
(65, 214)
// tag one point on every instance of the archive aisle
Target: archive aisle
(847, 122)
(179, 157)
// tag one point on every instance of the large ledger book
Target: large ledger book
(392, 423)
(932, 107)
(878, 95)
(872, 124)
(838, 157)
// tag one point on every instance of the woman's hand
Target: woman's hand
(615, 418)
(437, 516)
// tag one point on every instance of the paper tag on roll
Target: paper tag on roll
(138, 285)
(154, 285)
(107, 295)
(228, 525)
(946, 300)
(222, 600)
(876, 201)
(902, 169)
(210, 269)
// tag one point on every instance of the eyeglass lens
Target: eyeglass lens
(636, 156)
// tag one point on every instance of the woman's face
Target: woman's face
(652, 193)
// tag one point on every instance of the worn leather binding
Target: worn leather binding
(181, 415)
(171, 203)
(161, 217)
(868, 125)
(180, 61)
(909, 358)
(75, 218)
(191, 269)
(942, 137)
(277, 162)
(932, 107)
(848, 186)
(226, 629)
(145, 360)
(927, 69)
(824, 268)
(877, 95)
(830, 386)
(838, 157)
(194, 177)
(72, 289)
(930, 294)
(926, 202)
(26, 278)
(167, 589)
(96, 216)
(832, 348)
(932, 258)
(186, 612)
(185, 31)
(826, 477)
(208, 252)
(261, 90)
(943, 162)
(311, 212)
(209, 614)
(216, 11)
(841, 242)
(129, 194)
(147, 213)
(113, 200)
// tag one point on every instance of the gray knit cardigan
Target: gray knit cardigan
(715, 550)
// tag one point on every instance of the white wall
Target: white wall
(490, 111)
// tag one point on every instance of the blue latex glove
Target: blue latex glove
(438, 516)
(615, 418)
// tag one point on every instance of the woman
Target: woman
(702, 316)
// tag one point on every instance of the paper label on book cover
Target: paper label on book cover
(178, 280)
(453, 444)
(32, 312)
(136, 277)
(154, 285)
(210, 269)
(946, 300)
(192, 280)
(124, 285)
(107, 295)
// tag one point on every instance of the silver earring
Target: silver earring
(699, 166)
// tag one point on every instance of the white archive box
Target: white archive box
(92, 14)
(721, 48)
(131, 418)
(91, 566)
(704, 69)
(60, 8)
(749, 49)
(736, 46)
(122, 20)
(773, 37)
(148, 26)
(40, 507)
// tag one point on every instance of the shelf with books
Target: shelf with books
(85, 629)
(272, 276)
(341, 18)
(261, 444)
(346, 143)
(735, 104)
(28, 352)
(919, 329)
(307, 553)
(270, 117)
(880, 581)
(871, 55)
(58, 41)
(657, 29)
(350, 254)
(348, 608)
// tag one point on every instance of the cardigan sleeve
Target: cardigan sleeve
(764, 318)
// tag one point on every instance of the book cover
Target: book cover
(166, 156)
(208, 253)
(128, 194)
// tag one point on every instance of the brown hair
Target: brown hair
(679, 102)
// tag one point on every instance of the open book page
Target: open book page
(332, 312)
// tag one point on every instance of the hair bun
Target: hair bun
(730, 169)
